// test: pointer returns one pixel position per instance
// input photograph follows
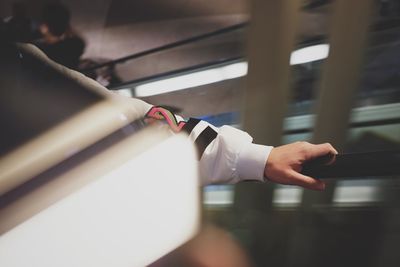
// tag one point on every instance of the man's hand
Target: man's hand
(285, 163)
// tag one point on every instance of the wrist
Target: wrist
(252, 161)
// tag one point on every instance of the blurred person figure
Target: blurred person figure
(212, 247)
(59, 42)
(215, 247)
(18, 27)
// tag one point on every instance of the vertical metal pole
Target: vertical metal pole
(338, 86)
(271, 39)
(339, 80)
(340, 74)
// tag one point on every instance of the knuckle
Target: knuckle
(300, 143)
(328, 145)
(304, 147)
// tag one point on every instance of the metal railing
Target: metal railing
(169, 46)
(356, 165)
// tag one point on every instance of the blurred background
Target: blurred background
(314, 70)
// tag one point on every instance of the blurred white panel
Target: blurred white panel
(287, 196)
(131, 216)
(361, 191)
(218, 195)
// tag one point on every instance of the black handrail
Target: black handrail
(169, 46)
(356, 165)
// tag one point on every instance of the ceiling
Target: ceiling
(117, 28)
(122, 12)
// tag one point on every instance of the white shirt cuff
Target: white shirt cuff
(251, 162)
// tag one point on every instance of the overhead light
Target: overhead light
(235, 70)
(124, 91)
(192, 80)
(309, 54)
